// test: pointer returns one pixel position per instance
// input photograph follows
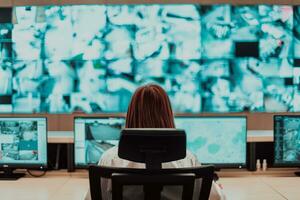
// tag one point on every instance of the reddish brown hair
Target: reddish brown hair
(150, 107)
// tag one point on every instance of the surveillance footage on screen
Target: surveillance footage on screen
(91, 58)
(95, 136)
(209, 144)
(287, 139)
(18, 141)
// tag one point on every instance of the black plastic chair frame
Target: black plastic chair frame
(160, 177)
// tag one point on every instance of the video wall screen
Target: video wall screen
(91, 58)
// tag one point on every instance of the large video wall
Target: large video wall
(91, 58)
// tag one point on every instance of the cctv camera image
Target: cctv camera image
(287, 139)
(212, 146)
(93, 136)
(209, 58)
(22, 141)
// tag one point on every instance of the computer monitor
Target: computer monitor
(218, 140)
(93, 136)
(23, 144)
(287, 140)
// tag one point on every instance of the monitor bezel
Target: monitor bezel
(27, 165)
(86, 166)
(223, 165)
(281, 164)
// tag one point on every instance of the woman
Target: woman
(150, 108)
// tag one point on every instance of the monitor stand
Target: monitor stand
(8, 174)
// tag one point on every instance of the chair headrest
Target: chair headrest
(152, 146)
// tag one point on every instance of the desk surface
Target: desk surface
(68, 136)
(60, 137)
(73, 186)
(260, 136)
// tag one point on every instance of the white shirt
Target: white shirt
(110, 159)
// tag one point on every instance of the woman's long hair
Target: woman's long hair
(150, 107)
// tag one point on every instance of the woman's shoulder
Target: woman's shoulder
(108, 156)
(189, 161)
(192, 158)
(111, 158)
(190, 155)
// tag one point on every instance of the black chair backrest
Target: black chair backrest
(152, 180)
(152, 146)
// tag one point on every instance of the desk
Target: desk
(55, 185)
(261, 188)
(60, 185)
(254, 136)
(67, 137)
(271, 172)
(63, 137)
(260, 136)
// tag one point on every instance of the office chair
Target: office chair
(152, 147)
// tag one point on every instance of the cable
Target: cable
(36, 175)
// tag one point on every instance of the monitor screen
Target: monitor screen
(23, 141)
(93, 136)
(287, 140)
(209, 58)
(216, 140)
